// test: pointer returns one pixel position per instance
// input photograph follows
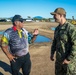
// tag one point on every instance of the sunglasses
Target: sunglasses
(21, 21)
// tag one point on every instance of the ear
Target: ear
(16, 22)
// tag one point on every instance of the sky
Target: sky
(32, 8)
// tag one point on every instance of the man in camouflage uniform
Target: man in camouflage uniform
(64, 44)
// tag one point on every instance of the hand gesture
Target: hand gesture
(36, 32)
(11, 57)
(65, 61)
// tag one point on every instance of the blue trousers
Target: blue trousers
(23, 62)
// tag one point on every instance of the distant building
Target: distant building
(5, 20)
(36, 20)
(51, 20)
(29, 19)
(8, 20)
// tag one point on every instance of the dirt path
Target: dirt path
(40, 57)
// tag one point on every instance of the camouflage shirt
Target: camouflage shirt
(64, 42)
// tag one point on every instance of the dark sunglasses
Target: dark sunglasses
(21, 21)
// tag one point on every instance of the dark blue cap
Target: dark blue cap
(17, 18)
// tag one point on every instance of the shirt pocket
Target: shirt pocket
(64, 36)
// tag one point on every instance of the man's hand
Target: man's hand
(11, 57)
(65, 61)
(8, 54)
(52, 57)
(36, 32)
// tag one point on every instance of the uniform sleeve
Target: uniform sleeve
(53, 47)
(72, 34)
(5, 39)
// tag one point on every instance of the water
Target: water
(38, 39)
(53, 28)
(42, 39)
(1, 32)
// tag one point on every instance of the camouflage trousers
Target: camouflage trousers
(64, 69)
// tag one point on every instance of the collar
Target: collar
(63, 26)
(15, 29)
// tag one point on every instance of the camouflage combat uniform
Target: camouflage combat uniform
(64, 44)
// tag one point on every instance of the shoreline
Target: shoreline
(43, 27)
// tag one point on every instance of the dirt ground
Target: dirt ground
(39, 52)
